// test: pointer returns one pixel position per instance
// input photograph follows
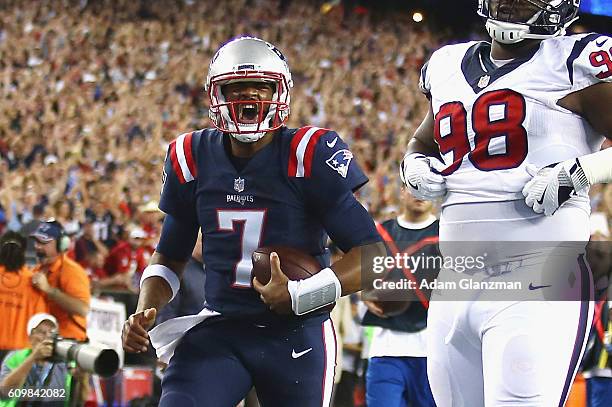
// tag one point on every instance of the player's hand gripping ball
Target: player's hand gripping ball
(294, 265)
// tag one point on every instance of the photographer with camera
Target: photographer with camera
(29, 375)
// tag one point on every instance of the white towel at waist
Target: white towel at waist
(166, 336)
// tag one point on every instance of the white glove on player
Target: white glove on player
(551, 186)
(416, 172)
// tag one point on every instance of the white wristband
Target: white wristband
(597, 166)
(159, 270)
(314, 292)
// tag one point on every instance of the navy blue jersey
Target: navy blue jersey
(292, 192)
(415, 242)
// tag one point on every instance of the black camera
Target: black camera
(90, 357)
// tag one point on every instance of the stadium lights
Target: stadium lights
(417, 17)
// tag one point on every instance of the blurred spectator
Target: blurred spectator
(62, 280)
(151, 219)
(65, 214)
(88, 246)
(29, 227)
(18, 298)
(125, 260)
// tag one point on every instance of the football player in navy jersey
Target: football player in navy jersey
(247, 183)
(511, 144)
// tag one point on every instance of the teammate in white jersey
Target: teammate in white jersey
(511, 143)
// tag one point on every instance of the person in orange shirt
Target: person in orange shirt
(19, 300)
(64, 282)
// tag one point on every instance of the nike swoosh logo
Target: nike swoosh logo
(541, 200)
(537, 287)
(332, 143)
(600, 43)
(412, 185)
(302, 353)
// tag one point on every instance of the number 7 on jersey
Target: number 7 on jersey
(251, 233)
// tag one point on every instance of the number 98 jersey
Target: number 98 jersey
(492, 120)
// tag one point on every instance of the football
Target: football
(295, 264)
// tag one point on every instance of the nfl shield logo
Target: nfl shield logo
(239, 184)
(484, 81)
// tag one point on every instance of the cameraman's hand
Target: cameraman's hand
(43, 350)
(135, 336)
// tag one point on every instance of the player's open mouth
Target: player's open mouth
(248, 113)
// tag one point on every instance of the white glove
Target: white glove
(416, 172)
(551, 186)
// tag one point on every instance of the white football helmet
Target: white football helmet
(248, 59)
(550, 18)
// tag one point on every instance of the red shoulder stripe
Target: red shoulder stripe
(175, 164)
(293, 159)
(310, 148)
(189, 155)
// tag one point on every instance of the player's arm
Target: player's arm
(593, 103)
(160, 280)
(422, 141)
(354, 269)
(551, 186)
(420, 169)
(346, 276)
(157, 291)
(590, 82)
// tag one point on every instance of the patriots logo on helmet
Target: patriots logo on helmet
(340, 162)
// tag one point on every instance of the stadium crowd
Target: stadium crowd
(93, 92)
